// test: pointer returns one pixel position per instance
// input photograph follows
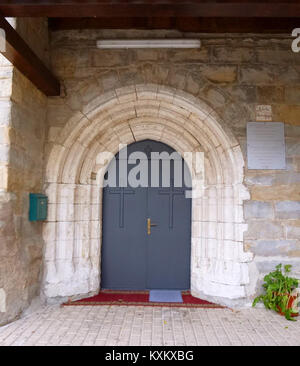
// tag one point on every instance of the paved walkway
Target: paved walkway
(157, 326)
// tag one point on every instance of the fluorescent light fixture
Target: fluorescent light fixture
(149, 43)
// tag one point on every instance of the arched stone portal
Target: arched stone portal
(72, 234)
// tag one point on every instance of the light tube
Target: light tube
(148, 43)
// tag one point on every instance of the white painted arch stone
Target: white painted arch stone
(72, 234)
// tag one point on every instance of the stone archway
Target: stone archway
(72, 234)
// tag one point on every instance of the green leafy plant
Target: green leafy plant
(279, 290)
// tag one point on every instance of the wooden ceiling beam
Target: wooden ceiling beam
(195, 25)
(153, 8)
(27, 62)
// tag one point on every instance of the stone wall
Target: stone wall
(231, 75)
(188, 98)
(22, 137)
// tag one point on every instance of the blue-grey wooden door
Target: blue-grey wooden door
(146, 231)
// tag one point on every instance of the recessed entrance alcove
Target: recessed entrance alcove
(74, 177)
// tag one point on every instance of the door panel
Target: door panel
(168, 252)
(123, 248)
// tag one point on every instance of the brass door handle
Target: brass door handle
(149, 225)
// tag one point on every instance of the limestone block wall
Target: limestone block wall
(230, 76)
(22, 137)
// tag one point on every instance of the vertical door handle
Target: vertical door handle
(149, 225)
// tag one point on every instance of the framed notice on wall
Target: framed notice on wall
(265, 145)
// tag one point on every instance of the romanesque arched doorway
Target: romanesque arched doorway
(146, 235)
(74, 175)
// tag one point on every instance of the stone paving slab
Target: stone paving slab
(150, 326)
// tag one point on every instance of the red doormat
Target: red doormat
(140, 298)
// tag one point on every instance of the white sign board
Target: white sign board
(266, 145)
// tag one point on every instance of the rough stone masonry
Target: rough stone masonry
(247, 222)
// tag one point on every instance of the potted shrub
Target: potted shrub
(280, 292)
